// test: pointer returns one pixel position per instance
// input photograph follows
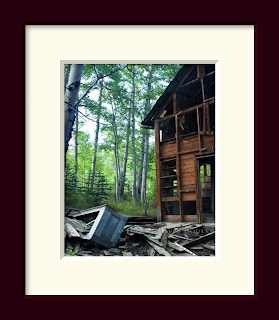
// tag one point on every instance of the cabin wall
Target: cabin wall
(181, 137)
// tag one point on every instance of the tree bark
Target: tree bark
(141, 188)
(123, 172)
(68, 67)
(116, 155)
(76, 148)
(70, 100)
(134, 186)
(93, 169)
(140, 167)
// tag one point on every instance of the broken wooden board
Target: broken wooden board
(159, 249)
(164, 239)
(199, 240)
(188, 228)
(71, 231)
(208, 247)
(178, 247)
(78, 225)
(127, 254)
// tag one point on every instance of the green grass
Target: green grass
(131, 208)
(126, 207)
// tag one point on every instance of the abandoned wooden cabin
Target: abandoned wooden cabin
(184, 122)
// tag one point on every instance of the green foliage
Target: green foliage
(114, 110)
(130, 208)
(70, 252)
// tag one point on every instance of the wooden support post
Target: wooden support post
(158, 182)
(199, 134)
(178, 170)
(198, 193)
(207, 118)
(203, 125)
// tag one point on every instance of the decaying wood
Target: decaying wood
(174, 246)
(151, 251)
(199, 240)
(164, 239)
(207, 246)
(185, 249)
(127, 254)
(188, 228)
(79, 225)
(159, 249)
(71, 231)
(77, 247)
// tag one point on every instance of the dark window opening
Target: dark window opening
(168, 168)
(209, 87)
(187, 124)
(189, 208)
(167, 128)
(170, 208)
(188, 96)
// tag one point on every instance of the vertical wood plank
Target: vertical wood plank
(203, 125)
(178, 170)
(198, 193)
(207, 118)
(158, 186)
(202, 85)
(199, 134)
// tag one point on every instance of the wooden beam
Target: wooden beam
(201, 239)
(178, 87)
(158, 182)
(178, 169)
(199, 135)
(193, 150)
(159, 249)
(188, 83)
(207, 117)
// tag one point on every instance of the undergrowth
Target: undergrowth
(126, 207)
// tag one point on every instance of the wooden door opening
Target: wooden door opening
(206, 188)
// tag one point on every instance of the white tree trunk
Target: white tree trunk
(134, 187)
(145, 145)
(123, 172)
(93, 169)
(76, 148)
(66, 76)
(70, 100)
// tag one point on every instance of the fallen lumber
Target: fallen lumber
(159, 249)
(208, 247)
(185, 249)
(188, 228)
(127, 254)
(164, 239)
(78, 225)
(71, 231)
(178, 247)
(199, 240)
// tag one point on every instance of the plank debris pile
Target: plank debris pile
(143, 239)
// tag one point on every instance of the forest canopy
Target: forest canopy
(109, 156)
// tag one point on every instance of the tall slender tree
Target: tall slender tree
(141, 186)
(94, 159)
(70, 97)
(134, 185)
